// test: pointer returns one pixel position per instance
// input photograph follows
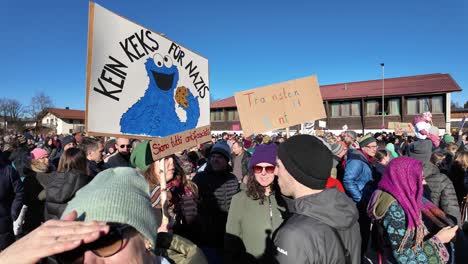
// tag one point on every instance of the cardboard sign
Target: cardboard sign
(401, 128)
(142, 85)
(279, 105)
(236, 127)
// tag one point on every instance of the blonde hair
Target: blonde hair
(461, 158)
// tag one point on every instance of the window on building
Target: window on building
(423, 104)
(345, 109)
(418, 105)
(412, 106)
(233, 115)
(217, 115)
(437, 104)
(372, 108)
(393, 107)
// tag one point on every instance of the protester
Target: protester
(240, 161)
(350, 138)
(442, 191)
(94, 150)
(397, 207)
(383, 158)
(122, 157)
(216, 185)
(339, 159)
(458, 174)
(303, 167)
(50, 147)
(71, 175)
(359, 181)
(11, 202)
(67, 142)
(391, 147)
(109, 149)
(35, 181)
(255, 212)
(127, 236)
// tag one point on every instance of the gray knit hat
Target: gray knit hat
(336, 148)
(351, 134)
(421, 150)
(119, 195)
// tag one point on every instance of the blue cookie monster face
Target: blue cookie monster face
(162, 71)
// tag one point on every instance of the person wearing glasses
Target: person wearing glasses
(255, 212)
(122, 157)
(100, 225)
(358, 181)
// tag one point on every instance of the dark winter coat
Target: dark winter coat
(34, 198)
(93, 167)
(308, 237)
(459, 176)
(442, 191)
(61, 188)
(118, 160)
(216, 191)
(11, 201)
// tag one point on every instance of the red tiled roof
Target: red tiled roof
(224, 103)
(410, 85)
(67, 113)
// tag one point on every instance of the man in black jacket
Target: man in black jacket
(122, 157)
(323, 227)
(11, 201)
(216, 187)
(93, 149)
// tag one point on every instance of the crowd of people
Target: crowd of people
(346, 198)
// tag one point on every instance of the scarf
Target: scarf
(403, 180)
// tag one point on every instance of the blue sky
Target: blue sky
(248, 43)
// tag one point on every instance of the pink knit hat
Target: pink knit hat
(38, 153)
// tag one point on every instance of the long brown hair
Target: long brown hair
(256, 191)
(73, 158)
(179, 174)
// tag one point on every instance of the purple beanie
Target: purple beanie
(263, 153)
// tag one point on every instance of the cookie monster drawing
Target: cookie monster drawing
(154, 114)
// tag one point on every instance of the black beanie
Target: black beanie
(307, 159)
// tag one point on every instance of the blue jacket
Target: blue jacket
(11, 201)
(357, 174)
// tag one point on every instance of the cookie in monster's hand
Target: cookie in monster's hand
(181, 96)
(154, 113)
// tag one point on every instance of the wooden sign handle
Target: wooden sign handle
(162, 182)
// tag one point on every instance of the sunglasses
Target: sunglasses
(105, 246)
(259, 169)
(128, 146)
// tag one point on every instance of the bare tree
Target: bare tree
(3, 110)
(14, 109)
(39, 103)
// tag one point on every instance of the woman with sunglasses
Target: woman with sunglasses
(255, 212)
(117, 225)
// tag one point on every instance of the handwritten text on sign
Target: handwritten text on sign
(163, 147)
(280, 105)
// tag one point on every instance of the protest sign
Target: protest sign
(401, 128)
(279, 105)
(140, 84)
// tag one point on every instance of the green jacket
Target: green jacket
(250, 227)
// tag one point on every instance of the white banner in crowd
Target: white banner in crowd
(143, 85)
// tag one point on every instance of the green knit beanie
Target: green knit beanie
(448, 138)
(141, 156)
(119, 195)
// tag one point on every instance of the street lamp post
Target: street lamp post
(383, 94)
